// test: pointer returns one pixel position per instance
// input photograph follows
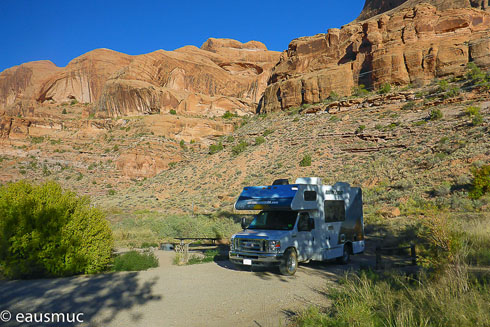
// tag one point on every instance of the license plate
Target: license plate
(247, 262)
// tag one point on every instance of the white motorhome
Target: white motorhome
(297, 223)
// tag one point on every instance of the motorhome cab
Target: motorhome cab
(297, 223)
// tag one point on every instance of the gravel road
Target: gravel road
(211, 294)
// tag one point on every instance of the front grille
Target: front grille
(251, 245)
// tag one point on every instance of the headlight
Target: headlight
(273, 246)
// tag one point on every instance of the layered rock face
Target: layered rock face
(223, 75)
(376, 7)
(412, 45)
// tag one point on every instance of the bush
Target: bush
(306, 161)
(435, 114)
(475, 115)
(182, 145)
(481, 182)
(64, 111)
(215, 148)
(360, 91)
(409, 105)
(259, 140)
(47, 232)
(135, 261)
(239, 148)
(229, 115)
(360, 129)
(385, 88)
(173, 112)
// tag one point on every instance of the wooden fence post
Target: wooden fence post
(413, 254)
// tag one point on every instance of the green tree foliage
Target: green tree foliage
(47, 232)
(239, 148)
(385, 88)
(481, 182)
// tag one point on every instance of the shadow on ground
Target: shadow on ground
(100, 298)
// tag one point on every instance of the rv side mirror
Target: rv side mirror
(244, 223)
(311, 223)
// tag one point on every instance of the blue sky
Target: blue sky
(62, 30)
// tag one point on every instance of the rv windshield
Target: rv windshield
(274, 220)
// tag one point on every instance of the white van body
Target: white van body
(316, 221)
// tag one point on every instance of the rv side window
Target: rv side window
(310, 195)
(334, 210)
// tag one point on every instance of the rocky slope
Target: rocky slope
(403, 46)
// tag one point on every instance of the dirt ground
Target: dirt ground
(211, 294)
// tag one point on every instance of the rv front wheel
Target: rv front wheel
(289, 263)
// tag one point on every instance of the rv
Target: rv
(297, 223)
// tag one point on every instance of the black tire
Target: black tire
(345, 258)
(289, 263)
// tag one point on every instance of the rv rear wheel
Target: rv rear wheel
(345, 258)
(289, 263)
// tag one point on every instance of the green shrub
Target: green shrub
(385, 88)
(48, 232)
(333, 96)
(230, 139)
(360, 91)
(481, 182)
(64, 111)
(360, 129)
(267, 132)
(209, 256)
(229, 115)
(239, 148)
(173, 112)
(409, 105)
(259, 140)
(111, 192)
(215, 148)
(37, 139)
(135, 261)
(475, 115)
(435, 114)
(182, 145)
(73, 102)
(306, 161)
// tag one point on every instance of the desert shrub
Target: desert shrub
(333, 96)
(435, 114)
(230, 139)
(209, 256)
(305, 161)
(360, 91)
(410, 105)
(360, 129)
(228, 115)
(182, 145)
(372, 299)
(111, 192)
(173, 112)
(477, 77)
(385, 88)
(45, 231)
(135, 261)
(267, 132)
(64, 111)
(37, 139)
(239, 148)
(475, 115)
(259, 140)
(481, 182)
(73, 102)
(215, 148)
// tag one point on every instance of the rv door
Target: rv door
(334, 216)
(305, 238)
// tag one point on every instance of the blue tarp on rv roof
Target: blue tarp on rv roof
(276, 197)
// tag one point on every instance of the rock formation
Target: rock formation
(223, 75)
(376, 7)
(402, 46)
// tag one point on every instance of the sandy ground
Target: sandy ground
(211, 294)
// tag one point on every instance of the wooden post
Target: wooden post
(413, 254)
(378, 257)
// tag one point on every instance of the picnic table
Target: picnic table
(183, 246)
